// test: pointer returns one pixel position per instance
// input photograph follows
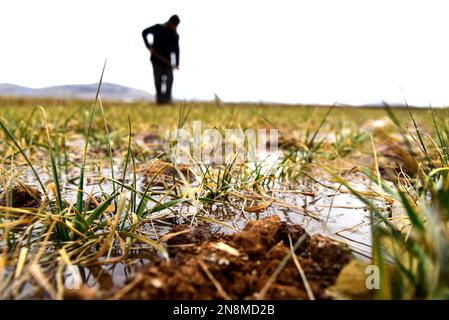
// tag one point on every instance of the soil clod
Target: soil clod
(211, 271)
(20, 196)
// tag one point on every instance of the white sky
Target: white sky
(321, 51)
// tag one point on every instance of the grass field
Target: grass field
(89, 195)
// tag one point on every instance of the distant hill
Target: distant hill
(109, 91)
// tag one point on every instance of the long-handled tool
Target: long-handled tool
(161, 57)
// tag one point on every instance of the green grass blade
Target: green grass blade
(100, 209)
(163, 206)
(79, 199)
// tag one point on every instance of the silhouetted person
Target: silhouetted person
(165, 43)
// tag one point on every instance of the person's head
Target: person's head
(173, 22)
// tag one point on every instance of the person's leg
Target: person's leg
(164, 84)
(158, 73)
(168, 84)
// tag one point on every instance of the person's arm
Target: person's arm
(177, 52)
(145, 34)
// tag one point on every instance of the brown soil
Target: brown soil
(23, 196)
(240, 266)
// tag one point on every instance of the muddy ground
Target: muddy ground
(203, 265)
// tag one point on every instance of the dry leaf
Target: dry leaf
(351, 283)
(259, 207)
(168, 236)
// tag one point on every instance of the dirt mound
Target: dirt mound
(238, 266)
(20, 196)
